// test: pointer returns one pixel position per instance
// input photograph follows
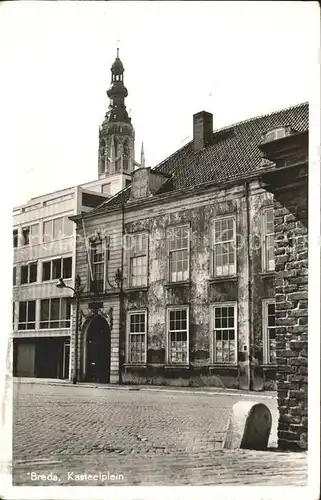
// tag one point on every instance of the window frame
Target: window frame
(130, 313)
(265, 234)
(28, 265)
(23, 229)
(169, 309)
(131, 256)
(51, 260)
(14, 276)
(51, 220)
(92, 245)
(273, 134)
(60, 320)
(214, 244)
(265, 334)
(169, 252)
(220, 305)
(15, 238)
(27, 302)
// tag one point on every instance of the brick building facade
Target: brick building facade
(289, 185)
(178, 269)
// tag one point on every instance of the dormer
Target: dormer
(277, 133)
(146, 182)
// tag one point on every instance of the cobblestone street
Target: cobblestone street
(139, 437)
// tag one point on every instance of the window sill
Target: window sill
(178, 284)
(177, 365)
(136, 364)
(136, 289)
(267, 274)
(227, 366)
(107, 293)
(269, 366)
(28, 284)
(220, 279)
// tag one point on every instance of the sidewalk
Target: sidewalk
(187, 390)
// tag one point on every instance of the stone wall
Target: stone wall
(291, 290)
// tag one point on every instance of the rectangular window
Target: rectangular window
(34, 234)
(56, 229)
(178, 333)
(224, 247)
(47, 231)
(224, 333)
(33, 272)
(14, 277)
(67, 267)
(98, 267)
(269, 332)
(13, 313)
(178, 248)
(15, 238)
(68, 227)
(24, 275)
(138, 245)
(268, 240)
(137, 331)
(46, 271)
(57, 268)
(26, 235)
(29, 273)
(27, 315)
(54, 313)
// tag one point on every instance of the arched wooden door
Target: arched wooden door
(98, 350)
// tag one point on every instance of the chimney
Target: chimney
(202, 130)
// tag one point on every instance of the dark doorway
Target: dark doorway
(98, 351)
(49, 357)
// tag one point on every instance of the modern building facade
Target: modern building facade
(44, 241)
(178, 270)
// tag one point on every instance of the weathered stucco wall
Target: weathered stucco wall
(199, 294)
(202, 291)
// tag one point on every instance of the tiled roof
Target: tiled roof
(233, 153)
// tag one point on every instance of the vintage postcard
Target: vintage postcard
(164, 237)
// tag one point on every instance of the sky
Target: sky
(234, 59)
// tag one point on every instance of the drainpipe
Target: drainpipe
(250, 304)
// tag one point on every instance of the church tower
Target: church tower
(116, 156)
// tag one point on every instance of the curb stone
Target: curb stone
(210, 392)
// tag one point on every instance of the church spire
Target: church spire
(117, 93)
(116, 154)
